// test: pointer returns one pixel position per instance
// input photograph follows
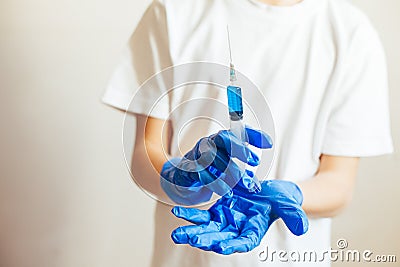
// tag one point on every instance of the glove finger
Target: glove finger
(193, 215)
(225, 175)
(232, 176)
(250, 182)
(215, 180)
(235, 174)
(214, 176)
(206, 241)
(229, 144)
(258, 138)
(292, 214)
(183, 234)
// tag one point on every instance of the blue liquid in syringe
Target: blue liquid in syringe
(235, 102)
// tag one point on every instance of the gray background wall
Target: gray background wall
(66, 198)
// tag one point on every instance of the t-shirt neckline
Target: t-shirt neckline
(292, 13)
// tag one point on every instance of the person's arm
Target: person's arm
(331, 189)
(150, 153)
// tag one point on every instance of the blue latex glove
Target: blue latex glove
(209, 168)
(238, 223)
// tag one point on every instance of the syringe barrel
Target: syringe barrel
(235, 102)
(238, 129)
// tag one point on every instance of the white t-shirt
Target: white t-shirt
(320, 66)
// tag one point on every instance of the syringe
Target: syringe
(235, 105)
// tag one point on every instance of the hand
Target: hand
(209, 168)
(238, 223)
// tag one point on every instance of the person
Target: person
(321, 67)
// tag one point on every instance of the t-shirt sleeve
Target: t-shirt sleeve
(146, 53)
(359, 123)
